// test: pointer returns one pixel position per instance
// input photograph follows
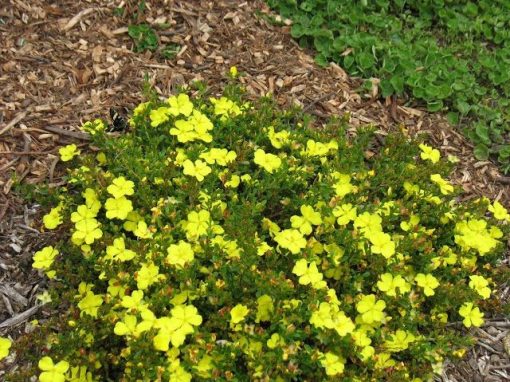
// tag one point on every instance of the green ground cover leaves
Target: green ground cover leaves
(450, 55)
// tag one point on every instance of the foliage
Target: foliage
(220, 239)
(451, 55)
(144, 37)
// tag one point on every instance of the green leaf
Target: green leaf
(386, 88)
(504, 153)
(398, 84)
(321, 60)
(463, 107)
(434, 106)
(365, 60)
(453, 118)
(323, 40)
(481, 152)
(482, 132)
(297, 30)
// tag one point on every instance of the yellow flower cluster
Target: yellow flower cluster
(256, 250)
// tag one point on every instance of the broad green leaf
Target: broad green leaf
(482, 132)
(481, 152)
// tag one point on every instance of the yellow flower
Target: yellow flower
(147, 275)
(52, 372)
(268, 162)
(118, 208)
(159, 116)
(198, 169)
(445, 187)
(480, 284)
(428, 153)
(185, 316)
(225, 108)
(389, 284)
(399, 341)
(472, 315)
(384, 361)
(121, 187)
(174, 329)
(413, 222)
(343, 185)
(90, 304)
(221, 157)
(201, 125)
(238, 313)
(361, 338)
(93, 127)
(133, 302)
(291, 239)
(367, 223)
(87, 231)
(263, 248)
(275, 341)
(198, 223)
(428, 282)
(141, 230)
(264, 308)
(127, 327)
(334, 364)
(233, 182)
(184, 130)
(91, 200)
(330, 316)
(319, 149)
(118, 251)
(180, 104)
(180, 254)
(381, 244)
(345, 213)
(233, 71)
(473, 234)
(304, 223)
(279, 139)
(53, 218)
(499, 211)
(82, 213)
(44, 258)
(178, 373)
(5, 345)
(309, 274)
(371, 310)
(68, 152)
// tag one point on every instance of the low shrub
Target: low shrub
(227, 240)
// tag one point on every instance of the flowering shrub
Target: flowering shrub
(225, 240)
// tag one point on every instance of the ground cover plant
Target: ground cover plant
(144, 36)
(451, 56)
(228, 240)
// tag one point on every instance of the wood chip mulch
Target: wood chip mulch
(68, 61)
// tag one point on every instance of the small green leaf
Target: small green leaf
(482, 132)
(504, 153)
(398, 84)
(463, 107)
(481, 152)
(453, 118)
(365, 60)
(434, 106)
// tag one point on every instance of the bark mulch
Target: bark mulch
(64, 62)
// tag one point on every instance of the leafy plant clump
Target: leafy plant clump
(227, 240)
(451, 55)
